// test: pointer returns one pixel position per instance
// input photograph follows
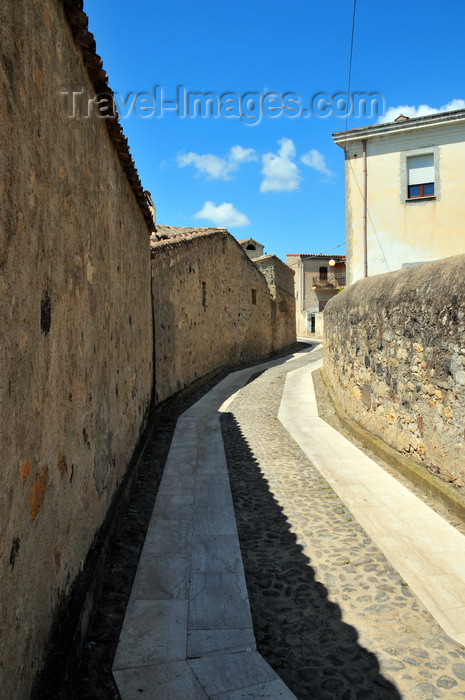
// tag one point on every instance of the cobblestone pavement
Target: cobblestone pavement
(330, 613)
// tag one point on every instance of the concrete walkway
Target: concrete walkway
(188, 630)
(187, 633)
(427, 552)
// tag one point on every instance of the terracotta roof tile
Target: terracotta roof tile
(250, 240)
(179, 235)
(270, 256)
(317, 255)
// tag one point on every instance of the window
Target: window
(420, 176)
(204, 295)
(254, 295)
(323, 273)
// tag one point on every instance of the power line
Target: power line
(331, 249)
(370, 217)
(349, 77)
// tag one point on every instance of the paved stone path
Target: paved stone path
(187, 631)
(331, 615)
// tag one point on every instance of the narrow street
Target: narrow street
(331, 615)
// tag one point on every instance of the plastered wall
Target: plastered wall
(401, 231)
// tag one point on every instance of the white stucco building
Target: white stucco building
(405, 192)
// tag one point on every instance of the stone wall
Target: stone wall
(280, 280)
(213, 308)
(395, 355)
(78, 323)
(76, 375)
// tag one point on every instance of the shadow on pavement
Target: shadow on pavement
(299, 631)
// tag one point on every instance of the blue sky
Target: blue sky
(279, 180)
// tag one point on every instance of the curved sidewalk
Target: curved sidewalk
(427, 552)
(187, 632)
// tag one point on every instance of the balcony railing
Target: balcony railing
(329, 281)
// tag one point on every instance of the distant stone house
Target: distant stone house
(405, 192)
(317, 279)
(280, 281)
(253, 248)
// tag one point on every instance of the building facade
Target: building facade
(318, 278)
(405, 191)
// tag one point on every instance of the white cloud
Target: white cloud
(214, 167)
(210, 165)
(280, 171)
(421, 111)
(224, 215)
(316, 160)
(237, 154)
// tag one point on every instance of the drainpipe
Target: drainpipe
(303, 284)
(365, 263)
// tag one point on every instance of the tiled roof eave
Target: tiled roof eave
(342, 138)
(172, 237)
(337, 258)
(270, 256)
(78, 22)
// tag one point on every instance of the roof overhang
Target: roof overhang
(250, 240)
(322, 256)
(342, 138)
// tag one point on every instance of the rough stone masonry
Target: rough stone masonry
(395, 354)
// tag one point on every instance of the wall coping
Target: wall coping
(439, 277)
